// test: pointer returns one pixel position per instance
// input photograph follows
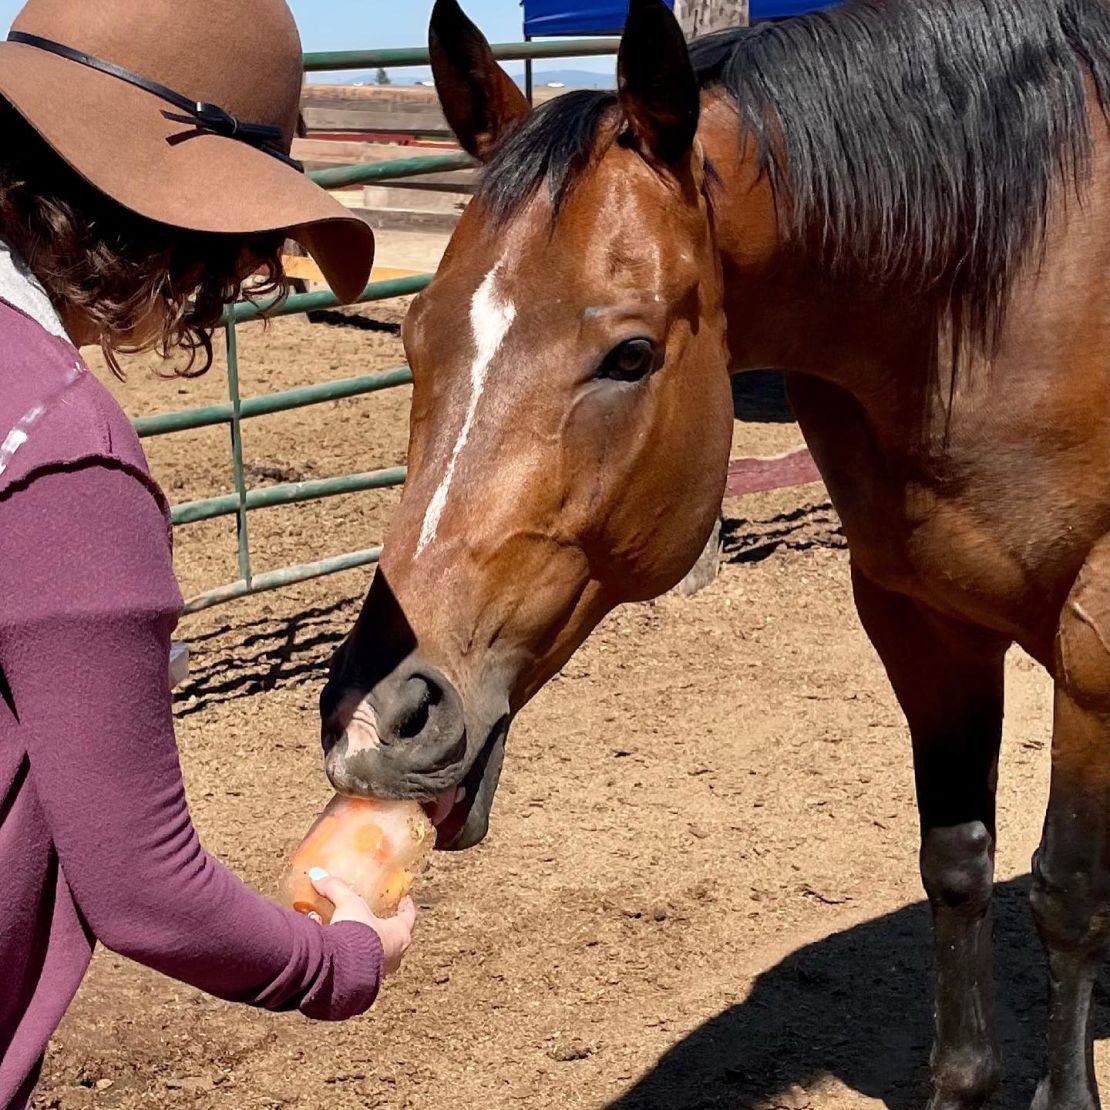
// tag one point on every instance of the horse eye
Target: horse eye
(630, 361)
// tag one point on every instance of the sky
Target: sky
(367, 24)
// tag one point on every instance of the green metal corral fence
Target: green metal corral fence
(238, 408)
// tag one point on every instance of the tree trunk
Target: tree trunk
(700, 17)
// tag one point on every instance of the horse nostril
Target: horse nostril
(411, 723)
(415, 707)
(420, 716)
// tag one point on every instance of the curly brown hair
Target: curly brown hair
(114, 268)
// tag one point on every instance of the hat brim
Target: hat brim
(120, 138)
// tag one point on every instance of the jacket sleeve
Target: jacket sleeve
(88, 600)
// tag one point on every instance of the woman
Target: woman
(144, 174)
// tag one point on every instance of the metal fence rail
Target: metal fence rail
(245, 311)
(188, 419)
(364, 173)
(403, 56)
(243, 500)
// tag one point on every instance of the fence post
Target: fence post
(242, 533)
(529, 88)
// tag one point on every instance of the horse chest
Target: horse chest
(908, 540)
(918, 524)
(895, 527)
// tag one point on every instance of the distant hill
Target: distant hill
(576, 78)
(571, 78)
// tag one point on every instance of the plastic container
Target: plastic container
(376, 847)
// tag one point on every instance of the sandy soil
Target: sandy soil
(700, 889)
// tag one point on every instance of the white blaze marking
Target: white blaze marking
(490, 320)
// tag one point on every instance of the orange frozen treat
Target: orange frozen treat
(376, 847)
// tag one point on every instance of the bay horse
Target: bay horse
(907, 207)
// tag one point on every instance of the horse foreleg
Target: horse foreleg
(1071, 870)
(948, 679)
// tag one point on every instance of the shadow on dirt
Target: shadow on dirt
(241, 659)
(857, 1005)
(336, 319)
(752, 541)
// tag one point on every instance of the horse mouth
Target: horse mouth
(461, 814)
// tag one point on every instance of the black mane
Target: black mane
(915, 142)
(920, 142)
(555, 143)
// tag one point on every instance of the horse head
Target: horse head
(570, 424)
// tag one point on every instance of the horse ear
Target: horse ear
(479, 99)
(658, 90)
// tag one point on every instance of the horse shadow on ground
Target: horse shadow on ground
(858, 1006)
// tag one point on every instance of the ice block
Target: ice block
(376, 847)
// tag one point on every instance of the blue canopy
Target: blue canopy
(575, 17)
(606, 17)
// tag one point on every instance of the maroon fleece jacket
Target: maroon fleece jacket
(96, 843)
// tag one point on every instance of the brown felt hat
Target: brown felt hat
(183, 111)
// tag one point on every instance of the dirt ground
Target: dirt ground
(700, 887)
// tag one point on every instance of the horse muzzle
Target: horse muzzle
(408, 738)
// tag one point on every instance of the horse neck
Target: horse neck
(792, 316)
(785, 308)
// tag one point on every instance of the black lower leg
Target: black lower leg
(957, 867)
(1071, 870)
(1071, 904)
(949, 683)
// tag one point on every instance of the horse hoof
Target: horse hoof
(956, 1102)
(964, 1080)
(1047, 1099)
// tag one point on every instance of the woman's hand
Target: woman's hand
(395, 932)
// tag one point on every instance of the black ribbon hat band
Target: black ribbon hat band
(208, 117)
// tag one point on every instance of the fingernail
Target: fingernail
(317, 873)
